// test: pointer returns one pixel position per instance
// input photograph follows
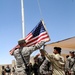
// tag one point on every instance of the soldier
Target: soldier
(35, 67)
(46, 68)
(22, 56)
(57, 61)
(13, 71)
(39, 58)
(3, 70)
(71, 63)
(8, 70)
(66, 65)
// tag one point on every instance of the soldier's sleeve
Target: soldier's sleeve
(37, 46)
(67, 65)
(36, 56)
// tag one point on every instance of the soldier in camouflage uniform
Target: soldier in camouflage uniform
(44, 64)
(66, 65)
(70, 65)
(26, 51)
(39, 58)
(46, 68)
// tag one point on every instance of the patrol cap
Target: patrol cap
(21, 41)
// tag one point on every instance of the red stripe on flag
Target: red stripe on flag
(28, 37)
(39, 38)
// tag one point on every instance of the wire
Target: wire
(40, 9)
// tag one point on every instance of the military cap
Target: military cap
(21, 41)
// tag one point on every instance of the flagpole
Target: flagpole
(23, 26)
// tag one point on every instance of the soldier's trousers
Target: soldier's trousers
(20, 72)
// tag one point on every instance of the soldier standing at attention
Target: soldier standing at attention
(23, 54)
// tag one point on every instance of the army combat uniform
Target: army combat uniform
(26, 52)
(46, 68)
(71, 65)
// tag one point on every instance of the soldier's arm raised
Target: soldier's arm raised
(37, 46)
(46, 54)
(49, 56)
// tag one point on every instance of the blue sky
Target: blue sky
(58, 15)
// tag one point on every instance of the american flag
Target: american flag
(38, 34)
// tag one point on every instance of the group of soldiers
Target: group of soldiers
(6, 70)
(46, 64)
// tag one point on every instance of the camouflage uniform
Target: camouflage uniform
(38, 60)
(26, 51)
(71, 65)
(46, 68)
